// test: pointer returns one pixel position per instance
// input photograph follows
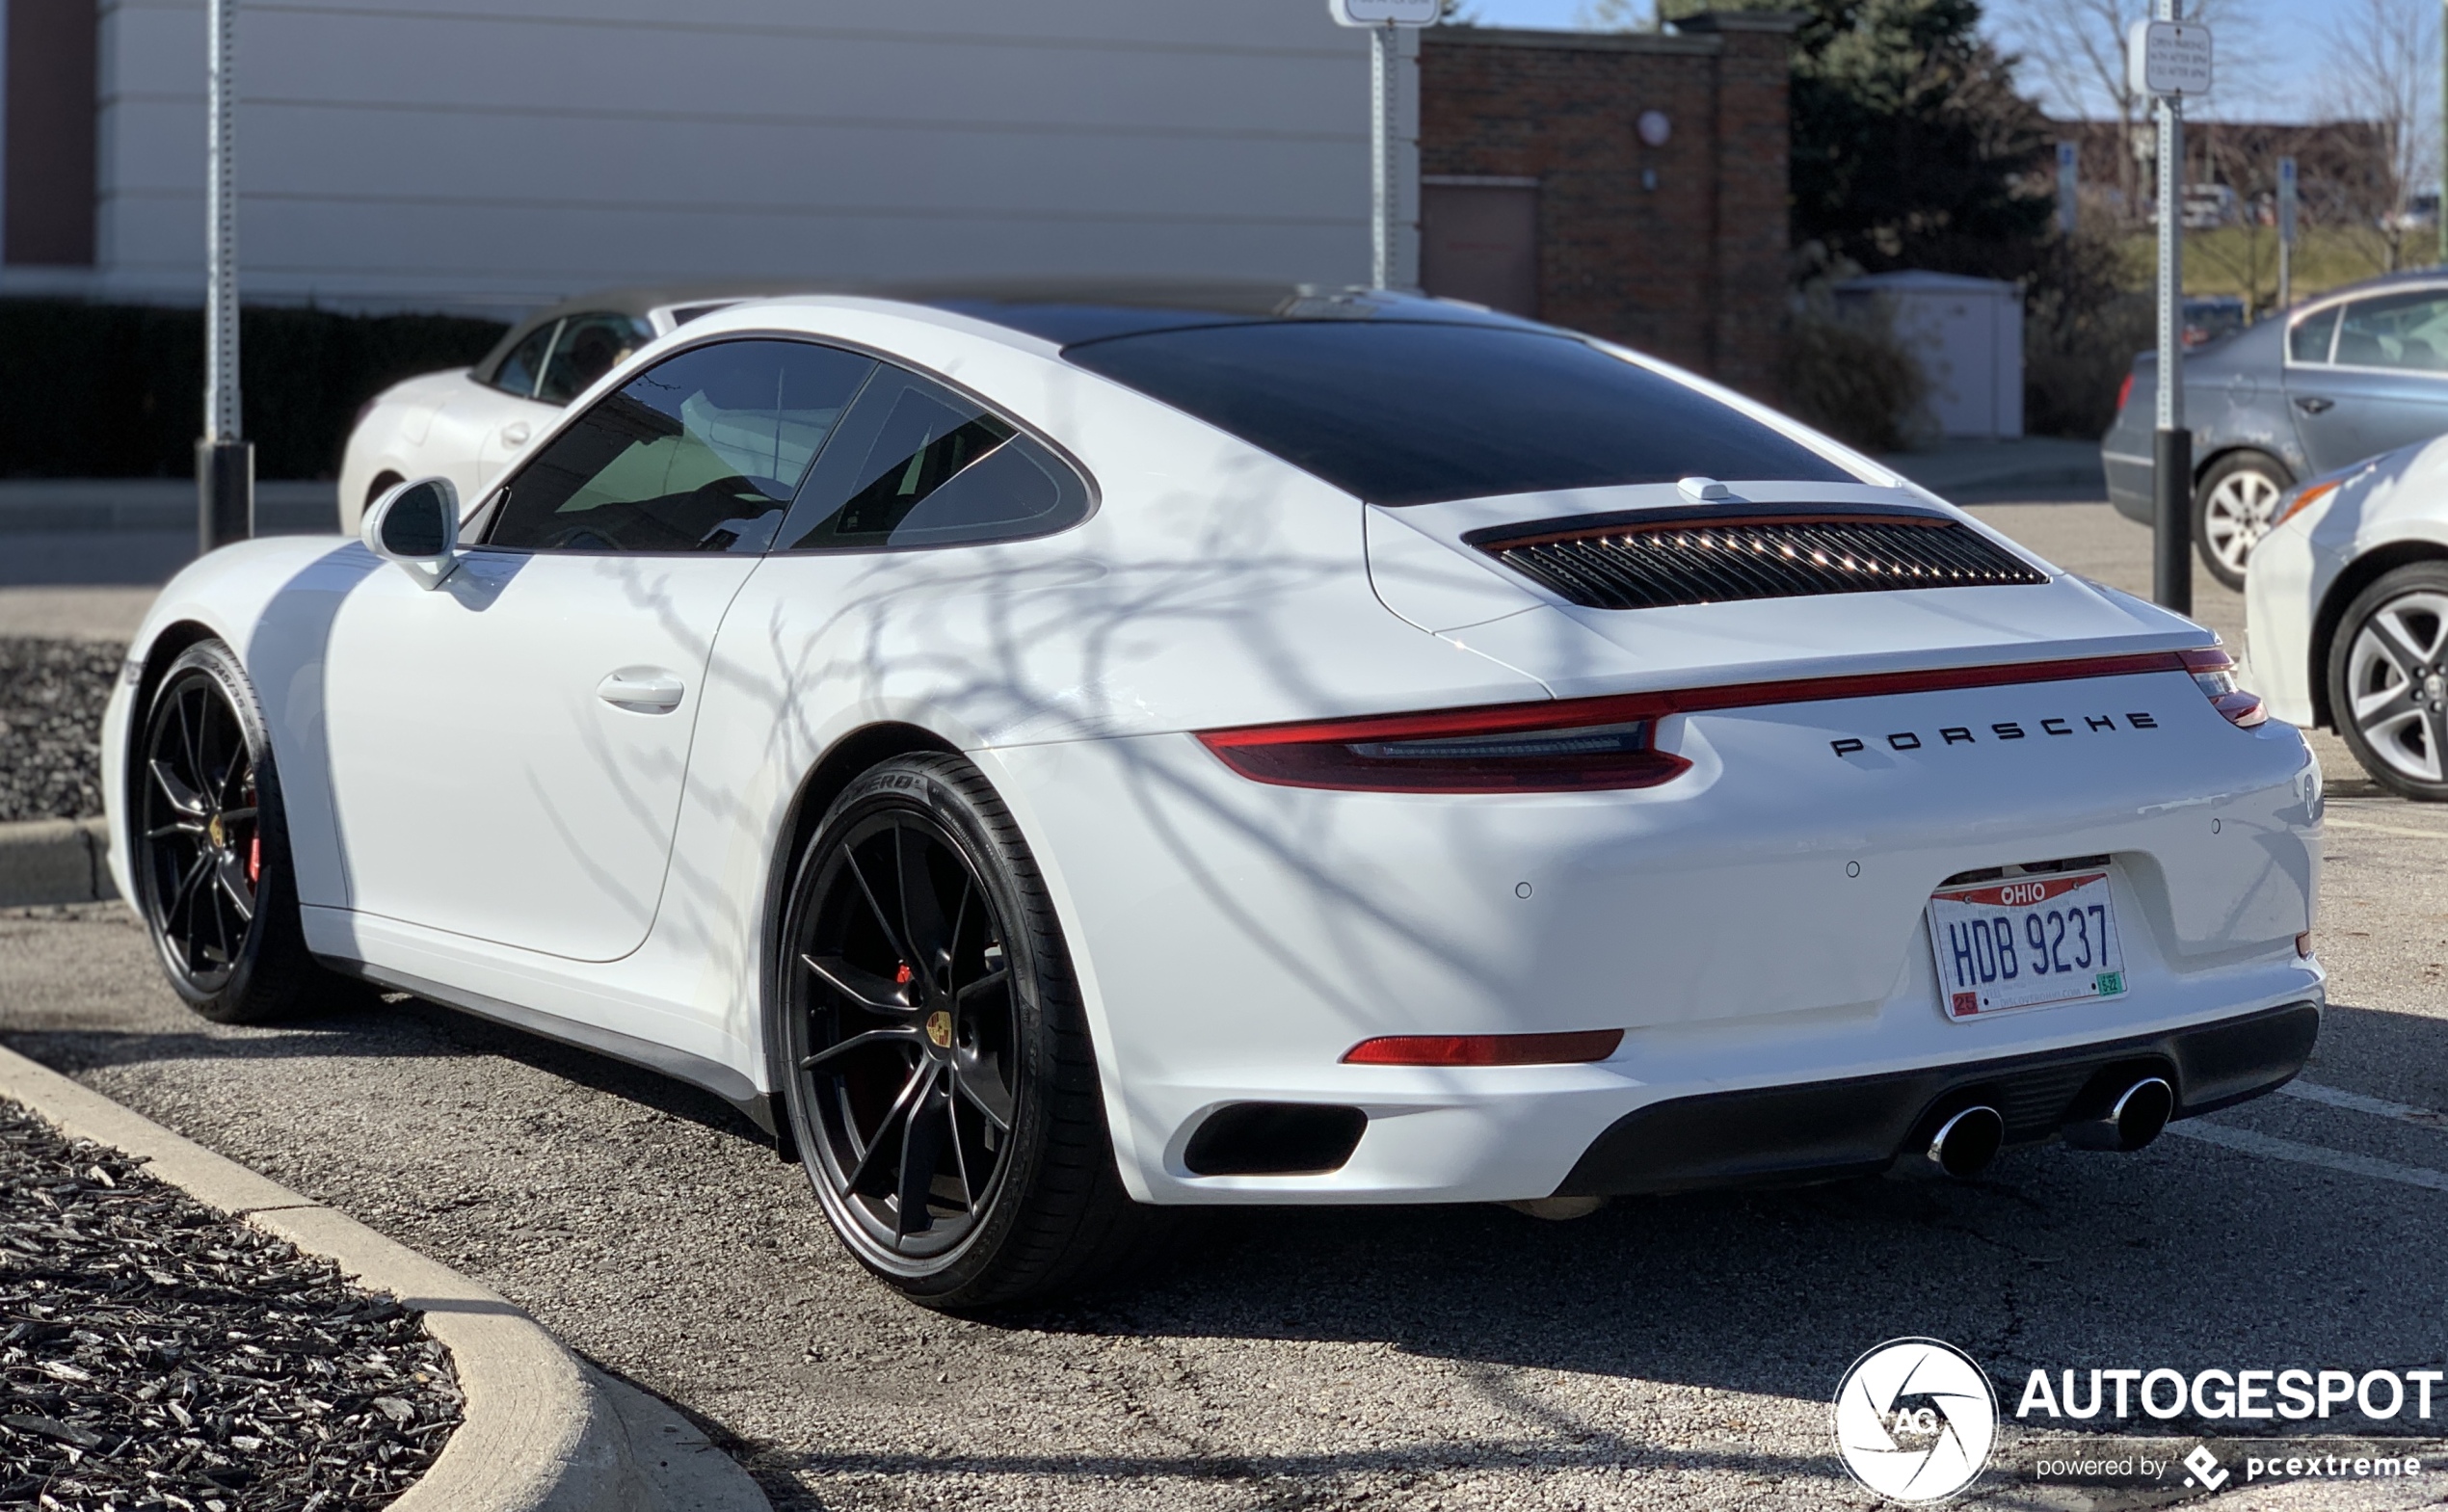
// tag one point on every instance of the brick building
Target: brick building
(1628, 184)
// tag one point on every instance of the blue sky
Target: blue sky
(2278, 45)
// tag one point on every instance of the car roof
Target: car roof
(1061, 311)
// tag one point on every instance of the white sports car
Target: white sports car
(2346, 603)
(467, 424)
(1054, 759)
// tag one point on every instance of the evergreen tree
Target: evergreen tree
(1912, 146)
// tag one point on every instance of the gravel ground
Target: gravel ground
(51, 698)
(158, 1355)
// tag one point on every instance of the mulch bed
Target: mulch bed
(154, 1353)
(51, 698)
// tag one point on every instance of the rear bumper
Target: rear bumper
(1758, 922)
(2128, 483)
(1823, 1131)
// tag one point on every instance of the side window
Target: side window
(700, 452)
(589, 347)
(518, 371)
(2309, 340)
(918, 465)
(2407, 330)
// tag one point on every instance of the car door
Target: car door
(2382, 381)
(507, 751)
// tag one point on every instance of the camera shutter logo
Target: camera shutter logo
(1915, 1419)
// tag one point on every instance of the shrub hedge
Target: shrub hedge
(118, 391)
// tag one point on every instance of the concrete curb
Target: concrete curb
(543, 1431)
(54, 860)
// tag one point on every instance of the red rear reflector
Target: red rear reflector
(1486, 1050)
(2124, 392)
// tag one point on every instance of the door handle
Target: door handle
(642, 690)
(514, 434)
(2311, 404)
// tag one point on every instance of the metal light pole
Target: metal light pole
(2171, 448)
(1384, 189)
(1385, 21)
(2286, 233)
(225, 464)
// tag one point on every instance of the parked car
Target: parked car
(2359, 371)
(467, 424)
(1054, 759)
(2347, 613)
(2210, 316)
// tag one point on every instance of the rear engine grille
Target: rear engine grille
(1654, 565)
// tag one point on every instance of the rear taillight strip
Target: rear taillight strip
(1426, 752)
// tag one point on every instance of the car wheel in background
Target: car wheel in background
(940, 1085)
(209, 847)
(2233, 508)
(2389, 680)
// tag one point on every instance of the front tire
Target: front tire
(2389, 680)
(939, 1077)
(2233, 508)
(210, 845)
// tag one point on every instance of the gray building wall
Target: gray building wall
(426, 154)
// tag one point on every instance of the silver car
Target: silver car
(2357, 371)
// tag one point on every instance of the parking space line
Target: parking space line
(2273, 1148)
(2377, 1107)
(2385, 829)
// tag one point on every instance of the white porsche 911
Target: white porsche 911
(468, 424)
(1052, 760)
(2346, 608)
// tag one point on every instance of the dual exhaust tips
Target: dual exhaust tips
(1968, 1140)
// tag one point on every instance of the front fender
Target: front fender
(272, 600)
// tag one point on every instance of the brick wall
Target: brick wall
(1678, 248)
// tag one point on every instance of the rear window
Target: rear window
(1413, 413)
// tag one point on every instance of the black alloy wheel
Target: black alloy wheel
(208, 848)
(940, 1086)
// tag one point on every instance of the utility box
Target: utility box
(1968, 336)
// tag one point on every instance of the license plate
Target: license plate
(2025, 943)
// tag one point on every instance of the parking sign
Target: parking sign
(1383, 13)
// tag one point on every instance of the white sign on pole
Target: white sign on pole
(1384, 13)
(2169, 59)
(2286, 201)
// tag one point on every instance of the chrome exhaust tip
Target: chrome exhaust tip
(2133, 1120)
(1966, 1143)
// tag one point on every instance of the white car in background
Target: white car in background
(1053, 760)
(2345, 604)
(467, 424)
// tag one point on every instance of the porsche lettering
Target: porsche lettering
(1999, 730)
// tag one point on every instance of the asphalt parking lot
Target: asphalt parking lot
(1663, 1353)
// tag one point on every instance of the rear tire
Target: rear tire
(940, 1083)
(208, 844)
(2233, 508)
(2389, 680)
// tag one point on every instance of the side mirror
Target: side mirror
(416, 525)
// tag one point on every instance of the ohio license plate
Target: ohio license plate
(2025, 943)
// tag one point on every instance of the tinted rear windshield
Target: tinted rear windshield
(1412, 413)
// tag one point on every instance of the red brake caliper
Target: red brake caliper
(254, 859)
(901, 977)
